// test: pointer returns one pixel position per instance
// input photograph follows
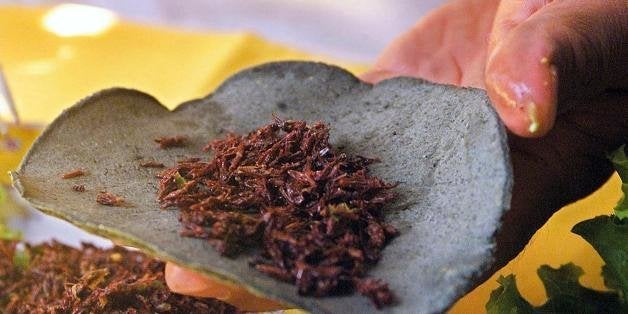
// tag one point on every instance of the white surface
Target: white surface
(349, 29)
(38, 227)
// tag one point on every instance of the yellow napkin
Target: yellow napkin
(48, 72)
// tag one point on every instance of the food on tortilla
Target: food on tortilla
(54, 278)
(109, 199)
(73, 174)
(152, 164)
(316, 212)
(172, 141)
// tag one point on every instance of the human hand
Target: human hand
(556, 73)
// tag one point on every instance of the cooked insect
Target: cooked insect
(316, 212)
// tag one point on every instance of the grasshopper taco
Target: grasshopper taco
(221, 187)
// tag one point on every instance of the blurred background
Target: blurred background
(356, 30)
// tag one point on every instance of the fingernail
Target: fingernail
(532, 116)
(497, 88)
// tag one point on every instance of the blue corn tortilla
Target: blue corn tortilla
(443, 144)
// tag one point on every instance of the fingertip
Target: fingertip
(522, 85)
(526, 119)
(184, 281)
(374, 76)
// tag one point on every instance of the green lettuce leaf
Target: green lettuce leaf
(8, 207)
(621, 209)
(566, 295)
(620, 162)
(507, 299)
(609, 237)
(22, 258)
(8, 234)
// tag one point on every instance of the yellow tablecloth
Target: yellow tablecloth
(48, 72)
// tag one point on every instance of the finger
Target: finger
(510, 14)
(376, 75)
(183, 281)
(446, 46)
(543, 54)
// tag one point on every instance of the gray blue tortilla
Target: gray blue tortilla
(445, 145)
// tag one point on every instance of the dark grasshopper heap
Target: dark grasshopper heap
(316, 213)
(54, 278)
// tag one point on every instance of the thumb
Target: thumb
(542, 53)
(376, 75)
(183, 281)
